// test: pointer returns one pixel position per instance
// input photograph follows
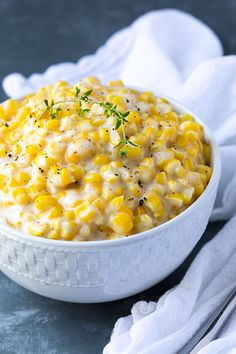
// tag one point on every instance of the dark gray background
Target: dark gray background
(33, 35)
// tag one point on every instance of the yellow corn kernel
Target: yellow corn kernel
(192, 152)
(207, 153)
(160, 189)
(85, 212)
(188, 164)
(117, 202)
(55, 212)
(153, 202)
(140, 210)
(205, 170)
(125, 209)
(40, 182)
(175, 199)
(3, 150)
(16, 149)
(10, 107)
(145, 174)
(101, 159)
(100, 204)
(180, 155)
(77, 171)
(69, 214)
(104, 135)
(143, 222)
(3, 131)
(121, 223)
(119, 190)
(132, 151)
(147, 97)
(93, 177)
(111, 177)
(172, 185)
(173, 166)
(20, 196)
(68, 230)
(148, 162)
(77, 203)
(191, 135)
(134, 117)
(84, 135)
(37, 229)
(107, 193)
(43, 161)
(57, 149)
(139, 140)
(186, 117)
(23, 178)
(66, 177)
(198, 189)
(105, 168)
(150, 132)
(32, 149)
(170, 116)
(116, 83)
(13, 182)
(93, 80)
(119, 101)
(116, 164)
(161, 178)
(2, 181)
(2, 113)
(52, 124)
(134, 189)
(187, 195)
(189, 125)
(95, 136)
(168, 133)
(181, 141)
(34, 191)
(44, 202)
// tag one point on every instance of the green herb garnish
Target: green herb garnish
(110, 110)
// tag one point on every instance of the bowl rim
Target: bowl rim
(216, 166)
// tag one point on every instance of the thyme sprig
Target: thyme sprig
(110, 110)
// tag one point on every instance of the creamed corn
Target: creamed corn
(62, 173)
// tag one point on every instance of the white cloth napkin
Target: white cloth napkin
(176, 54)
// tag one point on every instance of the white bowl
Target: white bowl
(98, 271)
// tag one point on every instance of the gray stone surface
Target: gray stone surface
(33, 35)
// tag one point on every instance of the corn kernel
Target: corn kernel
(70, 214)
(101, 159)
(143, 222)
(154, 203)
(23, 178)
(175, 199)
(32, 149)
(121, 223)
(52, 124)
(85, 212)
(161, 178)
(134, 117)
(37, 229)
(20, 195)
(104, 135)
(93, 177)
(44, 202)
(145, 174)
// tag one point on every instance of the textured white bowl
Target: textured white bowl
(100, 271)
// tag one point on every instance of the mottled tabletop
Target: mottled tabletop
(33, 35)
